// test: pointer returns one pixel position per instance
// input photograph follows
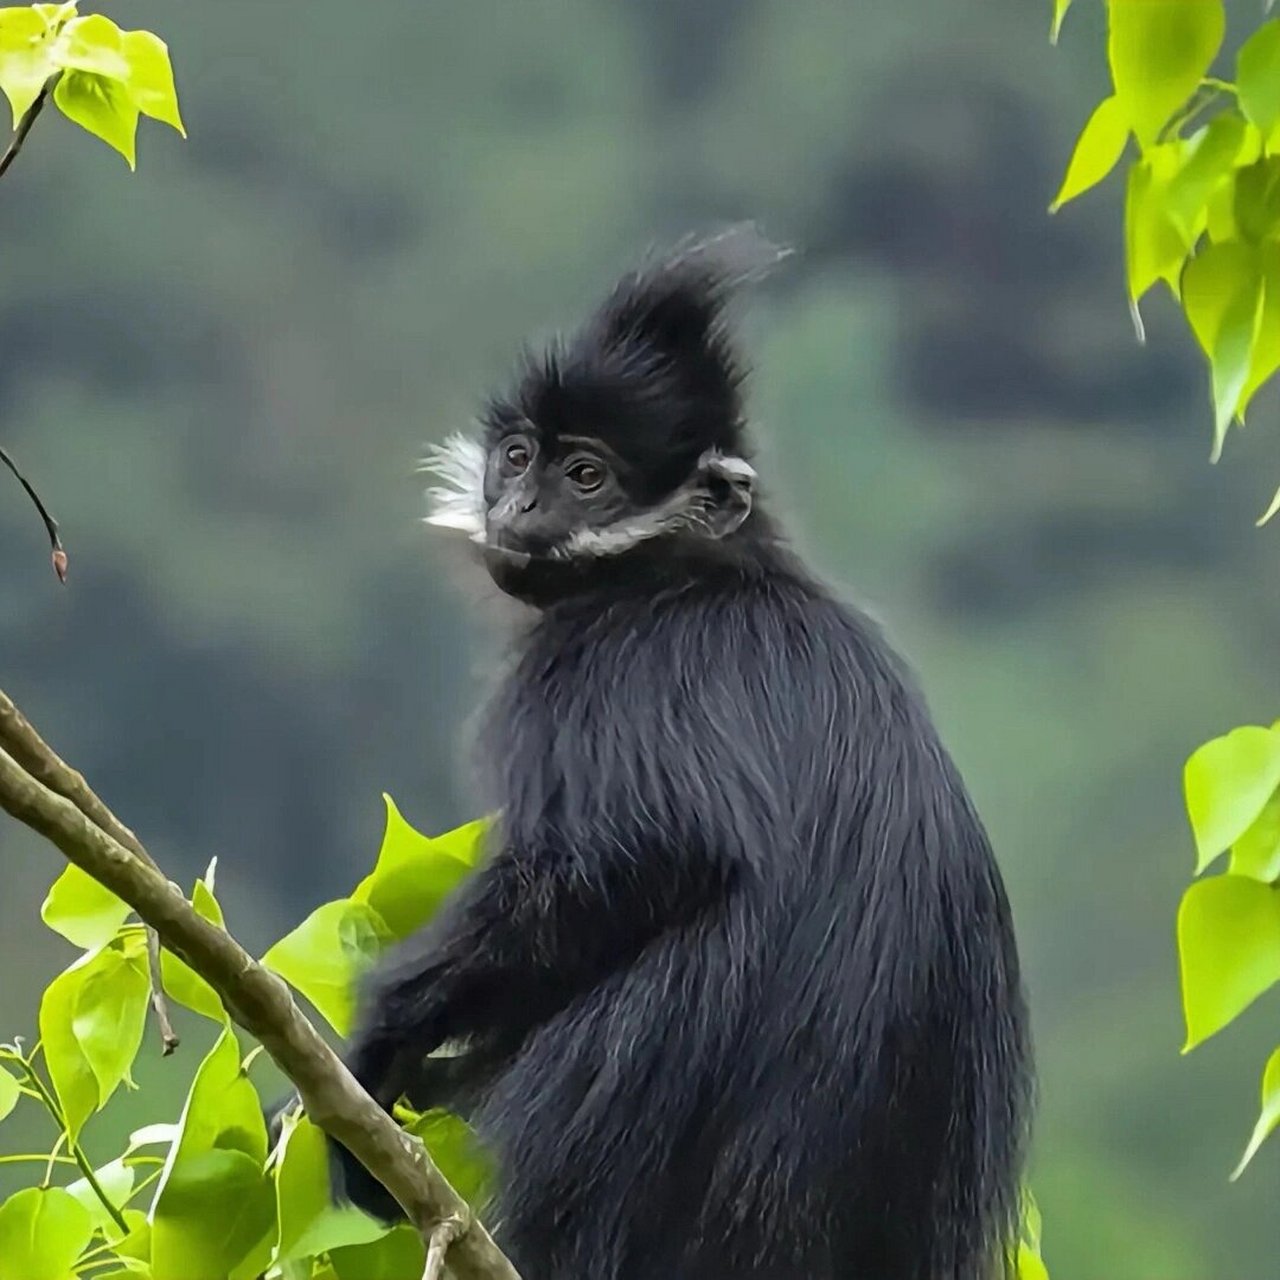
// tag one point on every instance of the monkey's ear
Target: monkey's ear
(729, 483)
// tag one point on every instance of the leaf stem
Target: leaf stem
(24, 124)
(77, 1152)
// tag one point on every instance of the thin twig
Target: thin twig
(444, 1234)
(261, 1003)
(25, 123)
(19, 738)
(57, 550)
(169, 1040)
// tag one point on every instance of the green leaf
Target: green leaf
(1257, 200)
(116, 1180)
(1229, 951)
(91, 44)
(1227, 782)
(302, 1185)
(1258, 76)
(1256, 853)
(1097, 151)
(328, 953)
(456, 1151)
(415, 873)
(101, 105)
(1222, 296)
(92, 1018)
(308, 1223)
(337, 1227)
(1210, 157)
(217, 1206)
(1269, 1116)
(43, 1231)
(396, 1255)
(26, 57)
(182, 983)
(1030, 1265)
(1159, 51)
(150, 77)
(222, 1110)
(10, 1092)
(83, 911)
(1155, 247)
(1060, 8)
(216, 1161)
(1266, 345)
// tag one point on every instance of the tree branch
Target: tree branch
(262, 1004)
(24, 124)
(19, 738)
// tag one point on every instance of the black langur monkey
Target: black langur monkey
(735, 995)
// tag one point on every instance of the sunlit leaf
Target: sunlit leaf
(1097, 151)
(1226, 783)
(116, 1180)
(43, 1230)
(91, 44)
(1258, 76)
(1155, 246)
(415, 873)
(91, 1023)
(10, 1092)
(1159, 51)
(456, 1151)
(1228, 949)
(1266, 345)
(216, 1161)
(1060, 8)
(327, 954)
(1210, 156)
(82, 910)
(1257, 200)
(1257, 852)
(1268, 1116)
(1030, 1265)
(181, 983)
(216, 1210)
(1222, 295)
(26, 57)
(150, 77)
(308, 1223)
(397, 1254)
(101, 105)
(1271, 510)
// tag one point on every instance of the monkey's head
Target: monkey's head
(626, 439)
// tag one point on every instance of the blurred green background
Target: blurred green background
(221, 371)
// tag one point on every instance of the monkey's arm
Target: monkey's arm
(516, 944)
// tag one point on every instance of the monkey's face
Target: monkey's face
(551, 511)
(624, 441)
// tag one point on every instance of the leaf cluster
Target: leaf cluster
(103, 78)
(207, 1195)
(1229, 925)
(1202, 195)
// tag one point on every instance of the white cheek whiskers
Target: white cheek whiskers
(457, 503)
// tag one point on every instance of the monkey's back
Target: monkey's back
(819, 1071)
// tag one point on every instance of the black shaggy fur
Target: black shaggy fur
(738, 982)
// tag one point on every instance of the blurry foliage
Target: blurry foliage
(1202, 203)
(205, 1196)
(1202, 216)
(223, 387)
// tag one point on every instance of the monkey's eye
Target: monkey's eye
(517, 455)
(586, 476)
